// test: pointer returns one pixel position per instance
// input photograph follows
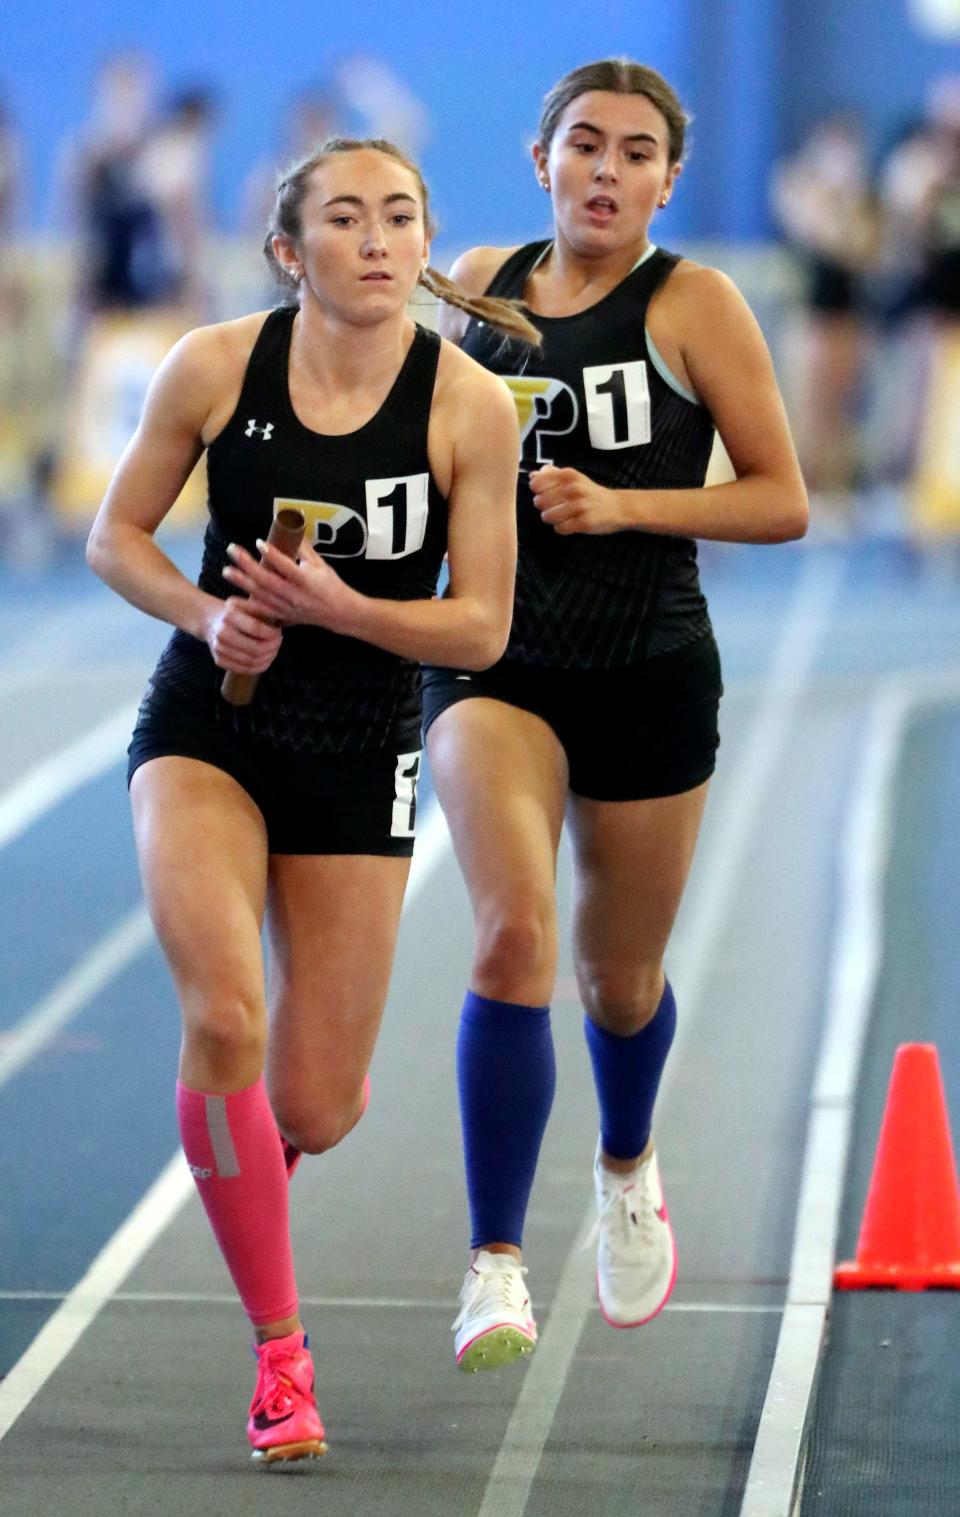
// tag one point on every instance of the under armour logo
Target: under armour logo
(264, 431)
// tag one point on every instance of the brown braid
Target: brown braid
(506, 315)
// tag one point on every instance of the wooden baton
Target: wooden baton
(286, 535)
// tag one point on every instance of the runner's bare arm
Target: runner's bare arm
(155, 465)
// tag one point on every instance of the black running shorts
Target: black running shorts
(628, 734)
(347, 803)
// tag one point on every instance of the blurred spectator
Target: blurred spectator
(916, 277)
(824, 205)
(134, 187)
(135, 183)
(174, 169)
(362, 98)
(312, 116)
(943, 211)
(935, 484)
(379, 104)
(907, 177)
(117, 227)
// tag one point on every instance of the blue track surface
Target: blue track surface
(89, 1122)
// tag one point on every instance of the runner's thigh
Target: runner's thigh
(333, 923)
(501, 777)
(202, 849)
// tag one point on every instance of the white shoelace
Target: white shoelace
(494, 1290)
(626, 1212)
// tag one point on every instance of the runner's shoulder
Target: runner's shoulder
(475, 269)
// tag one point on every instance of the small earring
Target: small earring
(545, 184)
(662, 201)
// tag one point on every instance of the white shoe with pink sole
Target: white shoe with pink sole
(636, 1253)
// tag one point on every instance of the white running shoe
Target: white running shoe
(636, 1253)
(495, 1324)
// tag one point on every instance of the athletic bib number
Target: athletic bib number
(405, 790)
(396, 515)
(618, 404)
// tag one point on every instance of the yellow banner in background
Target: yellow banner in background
(121, 354)
(935, 495)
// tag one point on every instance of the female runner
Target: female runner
(300, 808)
(604, 706)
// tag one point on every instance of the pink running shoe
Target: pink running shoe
(284, 1422)
(292, 1155)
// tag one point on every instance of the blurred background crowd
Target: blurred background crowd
(852, 262)
(131, 258)
(875, 243)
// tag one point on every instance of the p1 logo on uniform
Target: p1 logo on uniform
(396, 520)
(335, 531)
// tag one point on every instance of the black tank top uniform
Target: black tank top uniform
(373, 510)
(596, 399)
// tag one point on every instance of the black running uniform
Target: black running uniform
(611, 641)
(330, 747)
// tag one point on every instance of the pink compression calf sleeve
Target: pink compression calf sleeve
(235, 1155)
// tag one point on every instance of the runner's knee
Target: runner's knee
(621, 998)
(516, 950)
(225, 1034)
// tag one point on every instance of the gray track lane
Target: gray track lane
(147, 1412)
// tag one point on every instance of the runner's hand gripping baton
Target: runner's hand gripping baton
(286, 534)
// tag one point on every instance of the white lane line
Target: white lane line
(109, 958)
(774, 1482)
(112, 1265)
(56, 777)
(375, 1303)
(775, 1478)
(152, 1215)
(518, 1459)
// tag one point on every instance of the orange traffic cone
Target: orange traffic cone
(910, 1235)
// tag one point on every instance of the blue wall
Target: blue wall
(754, 73)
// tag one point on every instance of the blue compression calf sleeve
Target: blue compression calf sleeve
(626, 1073)
(506, 1076)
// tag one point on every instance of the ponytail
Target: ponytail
(506, 315)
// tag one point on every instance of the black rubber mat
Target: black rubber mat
(885, 1440)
